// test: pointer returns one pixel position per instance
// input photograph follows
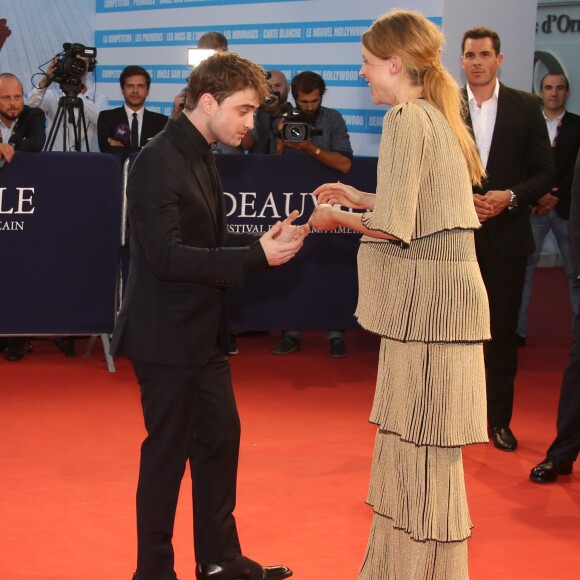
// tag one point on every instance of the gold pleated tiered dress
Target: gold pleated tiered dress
(425, 297)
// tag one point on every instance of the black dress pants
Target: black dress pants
(190, 414)
(567, 443)
(504, 281)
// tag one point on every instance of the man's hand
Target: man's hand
(289, 232)
(483, 209)
(178, 103)
(305, 146)
(277, 248)
(546, 203)
(115, 143)
(47, 78)
(6, 151)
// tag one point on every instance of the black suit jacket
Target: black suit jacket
(565, 149)
(182, 257)
(29, 134)
(520, 159)
(109, 120)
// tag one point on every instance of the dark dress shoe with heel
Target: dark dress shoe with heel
(503, 438)
(548, 470)
(241, 568)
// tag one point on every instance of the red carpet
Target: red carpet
(69, 455)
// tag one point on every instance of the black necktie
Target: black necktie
(135, 131)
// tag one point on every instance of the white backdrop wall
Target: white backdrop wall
(292, 35)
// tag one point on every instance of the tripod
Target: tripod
(65, 116)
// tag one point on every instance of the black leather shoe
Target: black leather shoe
(504, 439)
(241, 568)
(548, 470)
(287, 345)
(337, 348)
(14, 349)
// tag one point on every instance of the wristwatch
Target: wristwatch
(513, 199)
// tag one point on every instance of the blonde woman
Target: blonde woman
(422, 292)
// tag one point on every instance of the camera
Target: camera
(69, 69)
(295, 129)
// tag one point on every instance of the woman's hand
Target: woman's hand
(323, 217)
(342, 194)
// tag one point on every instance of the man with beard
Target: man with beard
(331, 146)
(128, 128)
(22, 128)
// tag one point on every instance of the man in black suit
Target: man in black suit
(128, 128)
(512, 140)
(173, 321)
(564, 450)
(22, 128)
(552, 211)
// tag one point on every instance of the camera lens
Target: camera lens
(296, 132)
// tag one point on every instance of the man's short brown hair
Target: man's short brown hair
(482, 32)
(223, 74)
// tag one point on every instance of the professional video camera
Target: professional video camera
(295, 129)
(70, 68)
(68, 73)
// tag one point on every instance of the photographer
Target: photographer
(47, 96)
(331, 145)
(326, 140)
(263, 137)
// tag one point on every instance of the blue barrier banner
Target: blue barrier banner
(60, 216)
(316, 290)
(60, 221)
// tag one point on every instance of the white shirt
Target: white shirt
(553, 126)
(6, 131)
(93, 103)
(483, 121)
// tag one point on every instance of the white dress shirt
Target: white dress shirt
(553, 126)
(483, 121)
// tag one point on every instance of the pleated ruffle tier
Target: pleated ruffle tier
(431, 394)
(430, 291)
(394, 555)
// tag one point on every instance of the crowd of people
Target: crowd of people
(469, 182)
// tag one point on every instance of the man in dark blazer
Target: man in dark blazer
(551, 212)
(512, 140)
(22, 128)
(173, 322)
(128, 128)
(564, 450)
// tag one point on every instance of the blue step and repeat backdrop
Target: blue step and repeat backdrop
(60, 234)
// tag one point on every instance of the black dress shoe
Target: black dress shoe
(503, 438)
(14, 349)
(287, 345)
(337, 348)
(241, 568)
(548, 470)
